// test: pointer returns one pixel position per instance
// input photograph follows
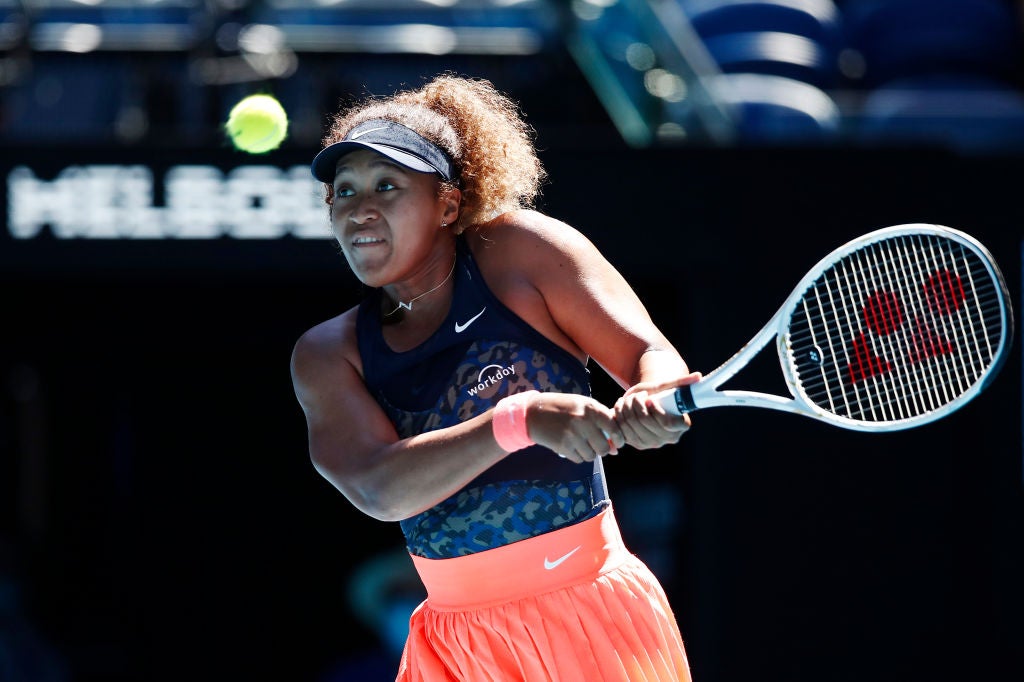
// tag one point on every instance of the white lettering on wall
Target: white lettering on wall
(199, 202)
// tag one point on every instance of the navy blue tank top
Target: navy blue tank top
(481, 353)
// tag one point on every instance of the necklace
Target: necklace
(408, 306)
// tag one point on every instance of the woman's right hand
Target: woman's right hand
(645, 423)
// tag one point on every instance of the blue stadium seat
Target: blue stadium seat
(797, 39)
(428, 26)
(69, 98)
(120, 25)
(772, 110)
(12, 23)
(965, 113)
(819, 20)
(908, 38)
(774, 53)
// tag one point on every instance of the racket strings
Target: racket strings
(896, 329)
(921, 386)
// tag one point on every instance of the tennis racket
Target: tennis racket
(892, 330)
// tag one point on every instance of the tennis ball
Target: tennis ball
(257, 124)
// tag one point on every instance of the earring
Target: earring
(443, 224)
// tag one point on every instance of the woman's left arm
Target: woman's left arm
(598, 312)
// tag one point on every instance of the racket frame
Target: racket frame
(706, 393)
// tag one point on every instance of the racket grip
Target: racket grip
(676, 400)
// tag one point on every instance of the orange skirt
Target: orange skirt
(567, 606)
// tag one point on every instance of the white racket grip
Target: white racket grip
(676, 400)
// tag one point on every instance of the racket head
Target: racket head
(895, 329)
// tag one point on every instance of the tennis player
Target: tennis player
(455, 399)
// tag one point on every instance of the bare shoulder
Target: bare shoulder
(328, 344)
(535, 264)
(524, 239)
(525, 224)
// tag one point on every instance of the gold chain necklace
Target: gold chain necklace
(408, 306)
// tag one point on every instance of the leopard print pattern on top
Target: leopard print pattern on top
(492, 515)
(489, 372)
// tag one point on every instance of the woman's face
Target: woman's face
(385, 216)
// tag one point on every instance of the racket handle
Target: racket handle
(676, 400)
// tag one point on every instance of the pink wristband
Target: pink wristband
(509, 422)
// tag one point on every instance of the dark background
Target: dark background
(178, 529)
(160, 518)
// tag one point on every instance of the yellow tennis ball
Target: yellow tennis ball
(257, 124)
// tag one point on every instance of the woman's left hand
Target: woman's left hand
(644, 422)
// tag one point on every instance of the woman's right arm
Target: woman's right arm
(355, 447)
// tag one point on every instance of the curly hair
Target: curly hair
(483, 131)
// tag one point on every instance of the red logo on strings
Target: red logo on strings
(942, 294)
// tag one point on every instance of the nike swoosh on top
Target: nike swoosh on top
(363, 132)
(557, 562)
(459, 328)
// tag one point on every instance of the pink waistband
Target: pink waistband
(575, 554)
